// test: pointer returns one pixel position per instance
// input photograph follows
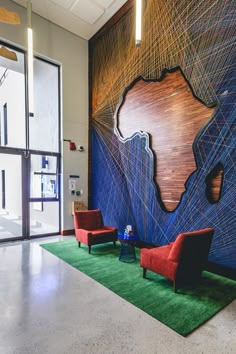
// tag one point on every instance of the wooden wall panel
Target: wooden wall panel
(214, 182)
(171, 115)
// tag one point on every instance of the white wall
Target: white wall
(71, 52)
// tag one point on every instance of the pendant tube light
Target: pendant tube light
(30, 58)
(138, 25)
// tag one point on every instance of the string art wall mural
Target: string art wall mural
(164, 123)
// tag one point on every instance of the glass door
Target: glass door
(44, 148)
(11, 216)
(44, 194)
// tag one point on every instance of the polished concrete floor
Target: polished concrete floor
(46, 306)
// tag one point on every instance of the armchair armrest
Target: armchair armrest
(82, 235)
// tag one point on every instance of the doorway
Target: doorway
(29, 150)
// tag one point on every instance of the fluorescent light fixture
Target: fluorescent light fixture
(30, 71)
(30, 61)
(138, 29)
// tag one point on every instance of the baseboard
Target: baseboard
(67, 232)
(221, 270)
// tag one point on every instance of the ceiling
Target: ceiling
(81, 17)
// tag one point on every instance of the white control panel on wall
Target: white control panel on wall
(72, 184)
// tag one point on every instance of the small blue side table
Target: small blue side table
(127, 248)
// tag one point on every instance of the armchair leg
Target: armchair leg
(78, 243)
(114, 244)
(89, 249)
(144, 272)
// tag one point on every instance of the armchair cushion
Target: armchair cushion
(105, 230)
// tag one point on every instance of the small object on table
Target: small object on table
(127, 246)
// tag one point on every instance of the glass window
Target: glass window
(44, 218)
(12, 101)
(44, 176)
(44, 125)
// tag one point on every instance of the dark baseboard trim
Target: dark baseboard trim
(67, 232)
(221, 270)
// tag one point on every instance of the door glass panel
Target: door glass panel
(12, 101)
(10, 196)
(44, 125)
(44, 218)
(44, 178)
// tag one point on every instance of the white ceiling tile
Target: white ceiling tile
(104, 3)
(84, 25)
(87, 11)
(66, 4)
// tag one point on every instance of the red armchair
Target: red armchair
(183, 260)
(90, 230)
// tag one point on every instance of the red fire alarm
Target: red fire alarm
(72, 145)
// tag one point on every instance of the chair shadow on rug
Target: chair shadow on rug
(183, 260)
(90, 229)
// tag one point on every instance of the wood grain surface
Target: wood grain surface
(214, 182)
(169, 112)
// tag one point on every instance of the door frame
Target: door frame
(26, 152)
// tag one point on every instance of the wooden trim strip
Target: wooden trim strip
(120, 13)
(67, 232)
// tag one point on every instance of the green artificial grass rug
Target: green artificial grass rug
(183, 311)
